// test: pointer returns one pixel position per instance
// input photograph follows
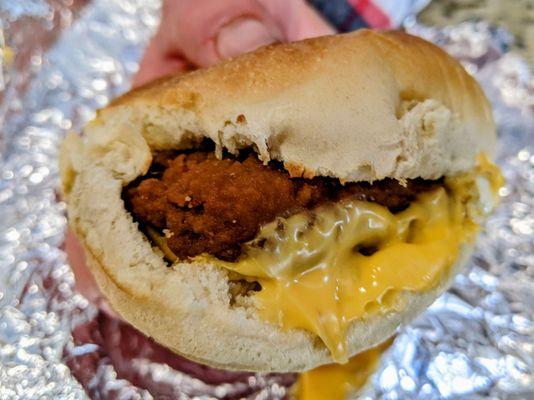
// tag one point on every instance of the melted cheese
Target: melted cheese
(315, 276)
(337, 381)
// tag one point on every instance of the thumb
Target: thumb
(207, 31)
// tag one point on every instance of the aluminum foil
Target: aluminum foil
(62, 59)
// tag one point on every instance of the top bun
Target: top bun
(359, 106)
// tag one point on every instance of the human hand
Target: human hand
(199, 33)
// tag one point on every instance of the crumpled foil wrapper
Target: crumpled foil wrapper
(62, 59)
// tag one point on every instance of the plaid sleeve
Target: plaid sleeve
(349, 15)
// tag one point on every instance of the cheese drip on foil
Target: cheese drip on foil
(338, 381)
(321, 270)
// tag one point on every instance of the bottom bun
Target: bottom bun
(211, 339)
(188, 307)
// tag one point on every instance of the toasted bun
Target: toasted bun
(361, 106)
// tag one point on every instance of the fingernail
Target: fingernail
(241, 36)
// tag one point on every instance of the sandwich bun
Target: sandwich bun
(357, 107)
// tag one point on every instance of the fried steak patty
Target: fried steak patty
(210, 205)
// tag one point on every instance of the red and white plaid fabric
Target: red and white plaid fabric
(348, 15)
(386, 14)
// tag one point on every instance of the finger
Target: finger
(296, 19)
(84, 280)
(243, 35)
(207, 31)
(157, 63)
